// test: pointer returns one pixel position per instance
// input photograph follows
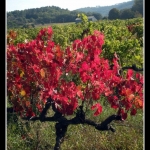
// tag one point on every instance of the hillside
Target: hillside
(53, 14)
(104, 10)
(43, 15)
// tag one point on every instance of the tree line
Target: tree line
(104, 10)
(54, 14)
(43, 15)
(135, 11)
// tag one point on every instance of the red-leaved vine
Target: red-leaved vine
(40, 69)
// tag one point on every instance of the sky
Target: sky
(12, 5)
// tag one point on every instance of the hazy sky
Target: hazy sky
(66, 4)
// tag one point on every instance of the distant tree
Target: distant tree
(104, 18)
(138, 6)
(114, 13)
(31, 20)
(98, 16)
(42, 22)
(25, 26)
(33, 25)
(137, 14)
(126, 14)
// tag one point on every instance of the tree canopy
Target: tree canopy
(135, 11)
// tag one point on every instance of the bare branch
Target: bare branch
(62, 123)
(133, 67)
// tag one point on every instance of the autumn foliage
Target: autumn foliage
(40, 69)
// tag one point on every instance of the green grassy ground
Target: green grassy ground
(41, 136)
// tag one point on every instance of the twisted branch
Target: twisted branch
(63, 123)
(133, 67)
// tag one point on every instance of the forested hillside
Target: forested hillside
(53, 14)
(104, 10)
(43, 15)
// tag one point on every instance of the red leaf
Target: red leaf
(99, 109)
(79, 56)
(84, 66)
(96, 94)
(133, 111)
(129, 73)
(124, 116)
(120, 111)
(36, 68)
(79, 91)
(49, 31)
(17, 78)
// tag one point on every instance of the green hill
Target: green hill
(53, 14)
(104, 10)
